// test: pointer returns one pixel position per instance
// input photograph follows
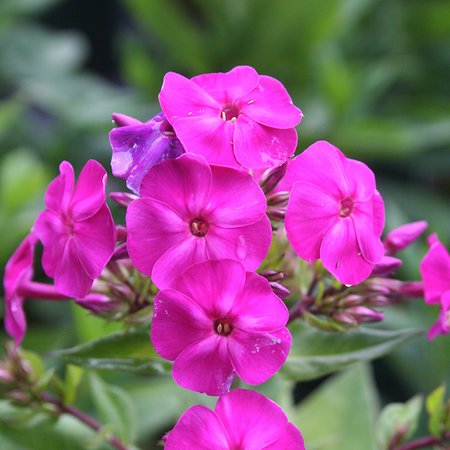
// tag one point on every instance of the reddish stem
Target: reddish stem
(424, 442)
(82, 417)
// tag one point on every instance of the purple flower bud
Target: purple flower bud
(364, 314)
(279, 290)
(403, 236)
(412, 289)
(271, 177)
(122, 198)
(345, 318)
(98, 303)
(122, 120)
(386, 266)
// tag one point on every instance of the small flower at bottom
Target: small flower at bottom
(244, 420)
(218, 321)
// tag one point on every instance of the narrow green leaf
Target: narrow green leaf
(398, 421)
(315, 353)
(436, 409)
(73, 378)
(340, 414)
(131, 351)
(114, 407)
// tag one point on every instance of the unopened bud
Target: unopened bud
(122, 120)
(345, 318)
(351, 300)
(278, 199)
(412, 289)
(281, 291)
(5, 376)
(274, 275)
(271, 177)
(386, 266)
(277, 214)
(98, 303)
(123, 198)
(403, 236)
(363, 314)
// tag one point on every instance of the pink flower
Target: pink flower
(18, 271)
(190, 212)
(238, 118)
(335, 213)
(435, 270)
(77, 229)
(139, 146)
(244, 420)
(219, 321)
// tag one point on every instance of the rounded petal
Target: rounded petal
(208, 136)
(180, 98)
(291, 439)
(70, 277)
(153, 228)
(321, 164)
(258, 146)
(205, 367)
(257, 356)
(251, 420)
(213, 285)
(269, 104)
(310, 213)
(257, 308)
(59, 191)
(249, 245)
(177, 259)
(341, 255)
(368, 241)
(95, 239)
(89, 194)
(197, 429)
(378, 213)
(183, 183)
(230, 86)
(236, 199)
(435, 270)
(177, 323)
(360, 178)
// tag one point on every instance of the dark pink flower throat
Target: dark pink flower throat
(222, 327)
(346, 207)
(230, 113)
(199, 226)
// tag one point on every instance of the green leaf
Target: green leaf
(131, 351)
(437, 411)
(398, 421)
(73, 378)
(340, 414)
(315, 353)
(114, 407)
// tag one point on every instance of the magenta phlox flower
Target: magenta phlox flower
(335, 213)
(18, 271)
(189, 212)
(77, 229)
(139, 146)
(435, 270)
(237, 118)
(218, 321)
(242, 419)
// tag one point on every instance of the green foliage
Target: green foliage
(316, 353)
(438, 412)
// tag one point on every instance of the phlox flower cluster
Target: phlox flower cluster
(212, 177)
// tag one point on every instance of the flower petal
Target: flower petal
(257, 307)
(213, 285)
(310, 213)
(177, 323)
(95, 239)
(197, 429)
(378, 213)
(208, 136)
(360, 178)
(291, 439)
(153, 228)
(236, 199)
(180, 98)
(205, 367)
(230, 86)
(89, 194)
(257, 146)
(269, 104)
(257, 356)
(249, 245)
(341, 255)
(183, 183)
(251, 420)
(59, 191)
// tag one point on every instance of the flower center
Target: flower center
(222, 327)
(346, 207)
(199, 226)
(230, 113)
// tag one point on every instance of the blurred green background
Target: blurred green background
(371, 76)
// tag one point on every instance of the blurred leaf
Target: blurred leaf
(11, 111)
(437, 411)
(340, 413)
(399, 420)
(73, 378)
(315, 353)
(114, 407)
(131, 351)
(15, 7)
